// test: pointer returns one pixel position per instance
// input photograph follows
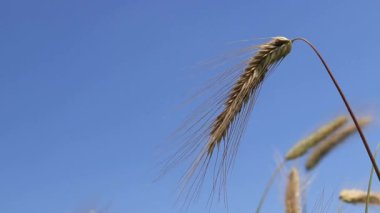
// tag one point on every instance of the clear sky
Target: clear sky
(89, 93)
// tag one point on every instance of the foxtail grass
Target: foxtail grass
(293, 194)
(329, 144)
(354, 196)
(314, 138)
(301, 148)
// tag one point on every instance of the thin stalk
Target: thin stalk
(370, 182)
(268, 185)
(364, 140)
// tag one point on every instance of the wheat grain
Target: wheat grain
(313, 139)
(330, 143)
(355, 196)
(292, 198)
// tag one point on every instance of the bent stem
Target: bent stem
(364, 140)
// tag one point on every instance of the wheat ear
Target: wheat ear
(252, 77)
(355, 196)
(292, 198)
(324, 148)
(313, 139)
(229, 122)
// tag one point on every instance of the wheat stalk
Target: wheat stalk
(345, 101)
(327, 146)
(354, 196)
(292, 198)
(313, 139)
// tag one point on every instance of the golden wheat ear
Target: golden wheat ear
(246, 86)
(354, 196)
(293, 194)
(314, 138)
(330, 143)
(216, 135)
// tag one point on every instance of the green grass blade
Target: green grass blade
(370, 181)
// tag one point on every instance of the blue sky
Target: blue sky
(89, 93)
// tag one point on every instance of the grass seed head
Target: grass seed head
(313, 139)
(354, 196)
(228, 121)
(293, 196)
(268, 54)
(330, 143)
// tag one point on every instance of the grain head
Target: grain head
(218, 140)
(332, 142)
(314, 138)
(293, 194)
(354, 196)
